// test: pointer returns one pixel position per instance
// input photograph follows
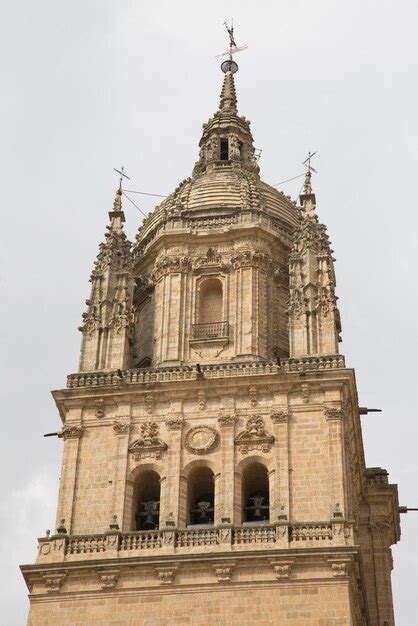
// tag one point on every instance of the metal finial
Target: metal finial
(122, 175)
(230, 65)
(307, 162)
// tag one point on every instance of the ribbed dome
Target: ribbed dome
(226, 177)
(228, 188)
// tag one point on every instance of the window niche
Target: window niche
(210, 313)
(255, 495)
(201, 497)
(224, 150)
(147, 501)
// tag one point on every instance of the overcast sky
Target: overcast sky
(90, 85)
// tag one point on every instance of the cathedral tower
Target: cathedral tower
(213, 467)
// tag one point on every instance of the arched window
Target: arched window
(201, 497)
(211, 301)
(255, 488)
(147, 501)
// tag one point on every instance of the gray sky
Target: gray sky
(89, 85)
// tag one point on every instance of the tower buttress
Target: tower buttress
(107, 323)
(314, 319)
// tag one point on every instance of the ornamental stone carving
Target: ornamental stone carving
(280, 417)
(121, 428)
(227, 420)
(212, 260)
(333, 413)
(166, 574)
(251, 258)
(254, 437)
(149, 445)
(171, 265)
(108, 579)
(70, 432)
(201, 439)
(174, 423)
(54, 580)
(223, 571)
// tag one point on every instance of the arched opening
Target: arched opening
(211, 301)
(201, 497)
(147, 501)
(224, 149)
(255, 494)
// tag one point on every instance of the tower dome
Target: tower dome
(225, 179)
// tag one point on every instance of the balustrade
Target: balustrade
(211, 330)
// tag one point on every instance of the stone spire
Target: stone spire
(107, 322)
(314, 321)
(228, 101)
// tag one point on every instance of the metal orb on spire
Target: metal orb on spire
(230, 65)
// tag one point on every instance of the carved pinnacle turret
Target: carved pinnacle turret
(109, 309)
(314, 321)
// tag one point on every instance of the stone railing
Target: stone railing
(219, 370)
(212, 330)
(143, 540)
(169, 374)
(224, 537)
(314, 363)
(197, 537)
(254, 534)
(87, 544)
(311, 532)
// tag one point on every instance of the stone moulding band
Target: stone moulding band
(226, 370)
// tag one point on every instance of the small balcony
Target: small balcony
(210, 331)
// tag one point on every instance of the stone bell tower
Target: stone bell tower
(213, 466)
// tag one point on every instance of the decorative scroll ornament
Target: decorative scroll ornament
(201, 439)
(70, 432)
(254, 437)
(149, 446)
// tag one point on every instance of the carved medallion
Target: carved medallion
(201, 439)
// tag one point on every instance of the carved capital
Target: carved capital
(108, 579)
(227, 420)
(333, 413)
(340, 567)
(121, 428)
(166, 573)
(223, 571)
(54, 580)
(174, 423)
(280, 417)
(282, 567)
(70, 432)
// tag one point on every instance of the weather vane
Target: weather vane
(229, 65)
(307, 162)
(122, 175)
